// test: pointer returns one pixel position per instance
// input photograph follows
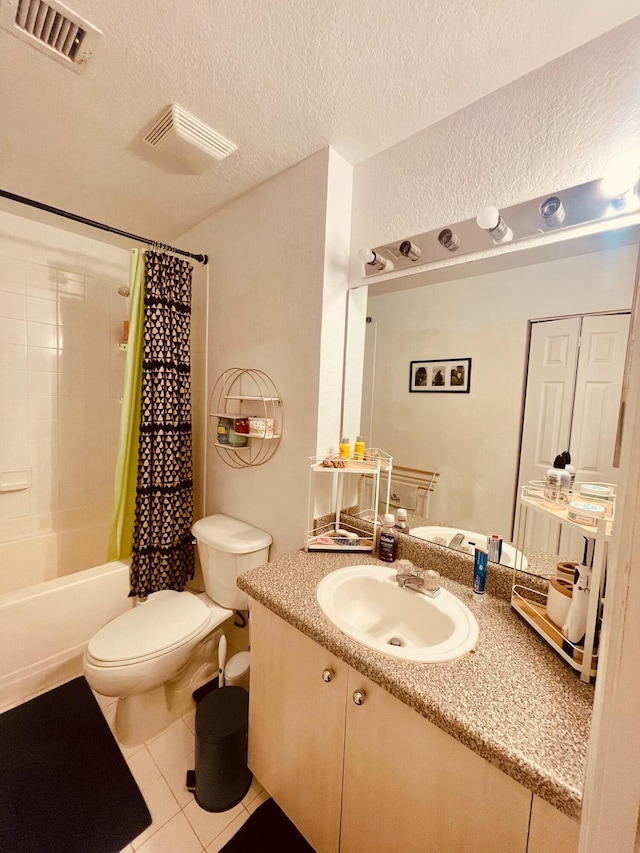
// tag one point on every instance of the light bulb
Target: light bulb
(620, 180)
(489, 220)
(449, 240)
(369, 257)
(552, 211)
(409, 250)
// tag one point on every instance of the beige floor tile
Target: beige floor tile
(176, 836)
(257, 801)
(227, 834)
(208, 825)
(176, 777)
(162, 805)
(172, 745)
(255, 789)
(189, 720)
(143, 767)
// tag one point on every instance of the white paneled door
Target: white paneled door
(572, 400)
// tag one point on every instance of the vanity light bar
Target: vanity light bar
(580, 205)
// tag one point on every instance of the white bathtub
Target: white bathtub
(45, 628)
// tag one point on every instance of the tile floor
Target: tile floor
(160, 766)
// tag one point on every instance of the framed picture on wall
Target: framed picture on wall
(437, 375)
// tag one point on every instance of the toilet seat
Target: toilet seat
(167, 620)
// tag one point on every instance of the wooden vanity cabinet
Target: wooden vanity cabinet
(374, 776)
(296, 726)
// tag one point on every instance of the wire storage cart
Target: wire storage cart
(531, 604)
(330, 472)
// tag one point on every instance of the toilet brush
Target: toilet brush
(222, 659)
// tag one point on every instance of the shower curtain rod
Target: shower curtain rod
(201, 259)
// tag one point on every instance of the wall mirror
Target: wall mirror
(515, 318)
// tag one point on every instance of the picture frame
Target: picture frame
(440, 375)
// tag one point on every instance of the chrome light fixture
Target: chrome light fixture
(489, 220)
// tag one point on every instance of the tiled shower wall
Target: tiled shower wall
(61, 378)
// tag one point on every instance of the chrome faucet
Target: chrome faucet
(428, 583)
(457, 540)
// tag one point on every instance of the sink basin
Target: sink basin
(509, 553)
(366, 603)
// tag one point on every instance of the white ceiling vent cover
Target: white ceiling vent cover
(52, 29)
(188, 141)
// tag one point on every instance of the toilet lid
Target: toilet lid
(166, 620)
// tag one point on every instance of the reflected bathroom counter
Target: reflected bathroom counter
(513, 701)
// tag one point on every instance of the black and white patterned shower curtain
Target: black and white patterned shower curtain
(162, 555)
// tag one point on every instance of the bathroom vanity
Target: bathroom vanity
(367, 752)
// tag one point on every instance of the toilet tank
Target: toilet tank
(228, 547)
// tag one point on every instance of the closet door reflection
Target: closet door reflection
(574, 382)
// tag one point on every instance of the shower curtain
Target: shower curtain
(121, 537)
(162, 553)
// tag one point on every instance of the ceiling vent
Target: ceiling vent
(52, 29)
(189, 142)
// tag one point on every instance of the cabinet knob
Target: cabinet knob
(359, 697)
(327, 675)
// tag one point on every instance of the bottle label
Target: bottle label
(388, 544)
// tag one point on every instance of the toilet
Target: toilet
(157, 653)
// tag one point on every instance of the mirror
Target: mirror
(484, 311)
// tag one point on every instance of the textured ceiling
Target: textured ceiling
(280, 78)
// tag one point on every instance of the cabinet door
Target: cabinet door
(296, 726)
(409, 786)
(551, 831)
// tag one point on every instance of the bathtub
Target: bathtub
(45, 628)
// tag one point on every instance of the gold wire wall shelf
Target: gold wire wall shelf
(245, 417)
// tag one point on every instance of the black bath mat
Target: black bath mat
(268, 827)
(64, 784)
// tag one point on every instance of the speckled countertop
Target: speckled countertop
(514, 701)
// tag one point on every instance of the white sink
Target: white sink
(366, 603)
(510, 556)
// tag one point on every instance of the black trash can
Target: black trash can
(222, 777)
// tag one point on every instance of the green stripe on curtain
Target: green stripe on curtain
(121, 538)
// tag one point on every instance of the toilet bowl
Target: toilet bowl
(157, 653)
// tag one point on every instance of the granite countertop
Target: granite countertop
(514, 701)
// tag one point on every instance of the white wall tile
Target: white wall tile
(42, 334)
(42, 358)
(12, 383)
(12, 275)
(41, 281)
(13, 331)
(13, 305)
(42, 384)
(13, 356)
(41, 310)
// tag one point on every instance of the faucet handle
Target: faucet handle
(404, 567)
(431, 580)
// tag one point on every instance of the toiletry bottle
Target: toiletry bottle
(557, 483)
(388, 543)
(345, 451)
(479, 572)
(358, 448)
(401, 521)
(569, 467)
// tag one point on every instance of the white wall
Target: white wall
(277, 304)
(473, 439)
(554, 128)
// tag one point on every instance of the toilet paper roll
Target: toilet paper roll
(559, 600)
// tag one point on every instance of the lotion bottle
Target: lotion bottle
(358, 448)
